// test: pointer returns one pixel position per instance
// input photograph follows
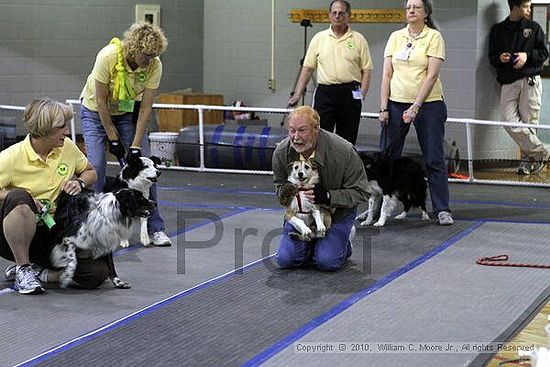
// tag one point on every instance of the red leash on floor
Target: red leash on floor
(498, 261)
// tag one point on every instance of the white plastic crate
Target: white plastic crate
(163, 145)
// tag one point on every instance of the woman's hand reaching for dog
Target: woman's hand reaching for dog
(72, 187)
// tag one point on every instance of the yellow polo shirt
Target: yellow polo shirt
(338, 60)
(104, 71)
(409, 73)
(21, 167)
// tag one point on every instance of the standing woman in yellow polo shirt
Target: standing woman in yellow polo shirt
(411, 92)
(123, 83)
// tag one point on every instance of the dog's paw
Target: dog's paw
(425, 216)
(65, 278)
(321, 232)
(120, 284)
(145, 240)
(299, 236)
(380, 223)
(403, 215)
(124, 243)
(365, 223)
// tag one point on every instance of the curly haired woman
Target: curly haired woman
(117, 102)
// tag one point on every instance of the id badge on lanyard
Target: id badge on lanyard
(404, 55)
(126, 105)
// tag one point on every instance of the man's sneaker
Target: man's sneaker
(26, 280)
(524, 168)
(445, 218)
(160, 239)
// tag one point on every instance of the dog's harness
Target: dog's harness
(299, 200)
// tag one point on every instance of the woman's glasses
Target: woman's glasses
(413, 7)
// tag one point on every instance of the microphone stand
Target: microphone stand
(304, 23)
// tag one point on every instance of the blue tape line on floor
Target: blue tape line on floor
(338, 309)
(125, 320)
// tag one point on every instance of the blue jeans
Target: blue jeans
(95, 139)
(430, 131)
(328, 253)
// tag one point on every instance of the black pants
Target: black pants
(337, 108)
(89, 273)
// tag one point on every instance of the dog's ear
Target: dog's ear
(156, 160)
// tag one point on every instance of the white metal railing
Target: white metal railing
(468, 123)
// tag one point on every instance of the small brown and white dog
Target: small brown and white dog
(310, 220)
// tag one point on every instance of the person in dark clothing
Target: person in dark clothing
(517, 50)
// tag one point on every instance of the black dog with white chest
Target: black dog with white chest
(390, 180)
(138, 173)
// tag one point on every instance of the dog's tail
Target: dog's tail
(70, 263)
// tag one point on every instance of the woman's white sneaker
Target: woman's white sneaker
(160, 239)
(445, 218)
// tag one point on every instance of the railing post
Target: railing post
(73, 124)
(470, 154)
(200, 111)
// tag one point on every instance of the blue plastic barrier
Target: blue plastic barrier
(230, 146)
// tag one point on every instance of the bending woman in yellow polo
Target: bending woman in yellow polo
(117, 102)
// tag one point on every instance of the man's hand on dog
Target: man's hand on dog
(117, 149)
(319, 196)
(287, 193)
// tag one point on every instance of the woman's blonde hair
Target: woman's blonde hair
(42, 115)
(144, 37)
(309, 113)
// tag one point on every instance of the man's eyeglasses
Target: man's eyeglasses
(413, 7)
(339, 13)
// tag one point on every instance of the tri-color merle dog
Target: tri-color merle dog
(91, 225)
(390, 180)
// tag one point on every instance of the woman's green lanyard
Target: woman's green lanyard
(122, 90)
(44, 215)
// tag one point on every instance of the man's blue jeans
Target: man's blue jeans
(430, 131)
(95, 139)
(329, 253)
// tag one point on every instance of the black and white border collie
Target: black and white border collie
(390, 180)
(310, 220)
(138, 173)
(93, 225)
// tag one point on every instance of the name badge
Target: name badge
(402, 55)
(126, 105)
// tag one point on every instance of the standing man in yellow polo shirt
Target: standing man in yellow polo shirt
(32, 175)
(342, 59)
